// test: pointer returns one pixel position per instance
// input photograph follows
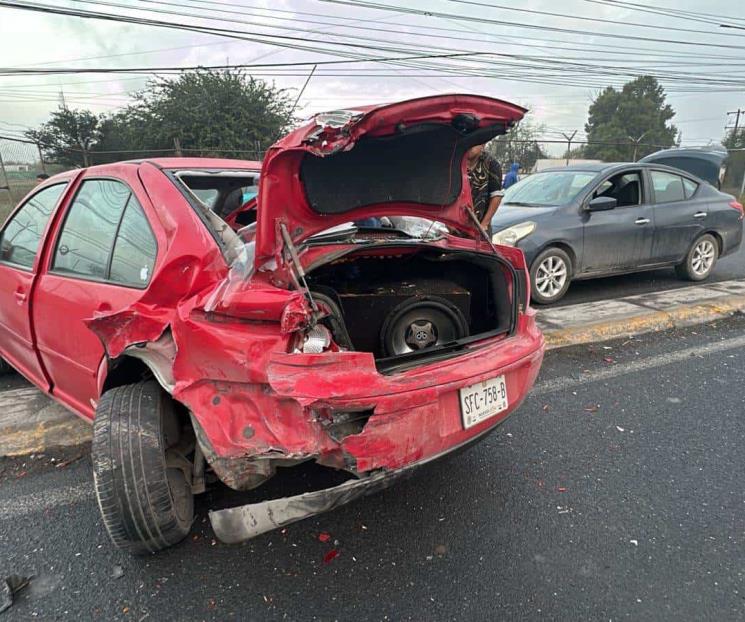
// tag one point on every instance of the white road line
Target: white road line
(558, 384)
(22, 505)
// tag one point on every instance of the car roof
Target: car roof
(184, 163)
(609, 167)
(168, 163)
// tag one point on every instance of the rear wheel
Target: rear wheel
(4, 368)
(701, 259)
(550, 276)
(140, 472)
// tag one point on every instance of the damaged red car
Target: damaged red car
(204, 332)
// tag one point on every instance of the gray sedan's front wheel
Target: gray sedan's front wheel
(550, 276)
(700, 260)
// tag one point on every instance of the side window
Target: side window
(135, 248)
(690, 187)
(87, 237)
(106, 236)
(626, 188)
(667, 187)
(20, 239)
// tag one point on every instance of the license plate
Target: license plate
(482, 400)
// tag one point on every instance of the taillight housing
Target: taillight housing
(738, 206)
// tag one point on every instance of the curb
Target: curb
(31, 423)
(645, 322)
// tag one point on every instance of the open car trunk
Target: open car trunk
(410, 305)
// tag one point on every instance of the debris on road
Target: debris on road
(330, 556)
(323, 537)
(9, 587)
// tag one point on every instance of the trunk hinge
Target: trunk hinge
(297, 272)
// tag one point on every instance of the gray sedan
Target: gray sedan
(595, 220)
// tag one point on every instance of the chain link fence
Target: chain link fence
(22, 160)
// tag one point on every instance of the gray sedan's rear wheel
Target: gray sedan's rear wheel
(701, 259)
(143, 493)
(4, 368)
(550, 276)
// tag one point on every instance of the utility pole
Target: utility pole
(737, 114)
(636, 142)
(569, 143)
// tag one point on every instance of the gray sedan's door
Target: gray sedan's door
(619, 239)
(680, 217)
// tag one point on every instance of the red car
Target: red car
(197, 347)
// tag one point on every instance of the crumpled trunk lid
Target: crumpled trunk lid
(404, 159)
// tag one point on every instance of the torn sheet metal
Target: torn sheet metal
(241, 523)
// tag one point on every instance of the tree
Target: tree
(222, 113)
(735, 140)
(68, 136)
(225, 113)
(520, 144)
(630, 123)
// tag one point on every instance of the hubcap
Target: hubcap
(551, 276)
(703, 257)
(421, 334)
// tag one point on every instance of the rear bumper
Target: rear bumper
(410, 416)
(241, 523)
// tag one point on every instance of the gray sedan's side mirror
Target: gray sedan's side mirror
(602, 204)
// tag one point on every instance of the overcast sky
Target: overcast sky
(532, 70)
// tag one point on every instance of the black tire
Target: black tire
(691, 269)
(5, 368)
(145, 505)
(543, 297)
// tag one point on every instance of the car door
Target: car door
(680, 215)
(21, 241)
(621, 238)
(101, 262)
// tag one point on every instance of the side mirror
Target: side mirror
(602, 204)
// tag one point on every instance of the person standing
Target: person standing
(485, 177)
(511, 178)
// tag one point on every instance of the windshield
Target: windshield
(549, 188)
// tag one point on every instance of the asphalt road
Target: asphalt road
(729, 267)
(616, 492)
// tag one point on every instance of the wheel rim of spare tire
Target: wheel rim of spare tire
(417, 325)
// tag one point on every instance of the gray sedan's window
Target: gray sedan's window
(668, 188)
(690, 187)
(20, 240)
(626, 188)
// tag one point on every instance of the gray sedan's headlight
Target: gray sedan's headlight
(512, 235)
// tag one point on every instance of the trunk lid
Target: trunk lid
(402, 159)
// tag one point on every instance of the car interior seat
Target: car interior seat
(628, 193)
(232, 202)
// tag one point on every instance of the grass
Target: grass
(18, 189)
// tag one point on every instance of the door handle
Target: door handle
(700, 215)
(641, 221)
(20, 297)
